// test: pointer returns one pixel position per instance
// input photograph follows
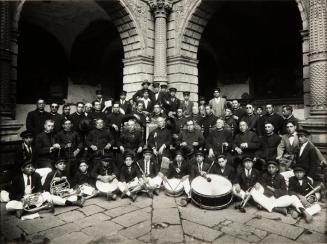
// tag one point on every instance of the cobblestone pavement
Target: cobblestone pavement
(160, 220)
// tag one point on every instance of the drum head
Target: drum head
(218, 185)
(174, 185)
(106, 187)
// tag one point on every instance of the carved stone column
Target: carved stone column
(316, 123)
(160, 9)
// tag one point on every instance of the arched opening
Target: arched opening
(42, 65)
(253, 50)
(96, 57)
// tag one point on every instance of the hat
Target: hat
(186, 93)
(123, 93)
(155, 84)
(202, 98)
(172, 89)
(163, 86)
(179, 152)
(199, 152)
(128, 154)
(25, 163)
(216, 90)
(98, 92)
(245, 159)
(61, 160)
(303, 132)
(147, 150)
(106, 158)
(273, 162)
(298, 168)
(146, 82)
(26, 134)
(82, 160)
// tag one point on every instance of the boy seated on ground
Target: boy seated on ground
(129, 179)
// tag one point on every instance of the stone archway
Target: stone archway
(184, 47)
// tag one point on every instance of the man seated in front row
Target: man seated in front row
(151, 179)
(179, 169)
(129, 178)
(223, 168)
(25, 183)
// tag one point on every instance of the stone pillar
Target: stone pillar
(160, 9)
(316, 122)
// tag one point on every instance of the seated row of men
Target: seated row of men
(269, 189)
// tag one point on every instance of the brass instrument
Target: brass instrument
(311, 197)
(33, 203)
(62, 189)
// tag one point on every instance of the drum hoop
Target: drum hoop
(213, 207)
(208, 196)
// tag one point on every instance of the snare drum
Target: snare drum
(216, 194)
(107, 187)
(173, 187)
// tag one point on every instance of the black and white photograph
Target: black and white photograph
(163, 121)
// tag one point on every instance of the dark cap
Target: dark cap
(245, 159)
(147, 150)
(163, 86)
(25, 163)
(202, 98)
(303, 132)
(83, 160)
(155, 84)
(186, 93)
(216, 90)
(61, 160)
(273, 162)
(298, 168)
(106, 158)
(98, 92)
(199, 152)
(172, 89)
(123, 93)
(128, 155)
(178, 152)
(26, 134)
(146, 82)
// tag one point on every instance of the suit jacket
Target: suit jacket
(294, 187)
(99, 138)
(251, 120)
(59, 120)
(285, 121)
(35, 121)
(99, 169)
(158, 137)
(160, 98)
(249, 137)
(247, 182)
(208, 122)
(187, 107)
(277, 181)
(22, 154)
(228, 173)
(127, 176)
(184, 170)
(154, 168)
(65, 137)
(218, 107)
(269, 144)
(308, 160)
(126, 106)
(44, 157)
(76, 120)
(217, 138)
(17, 187)
(80, 179)
(284, 147)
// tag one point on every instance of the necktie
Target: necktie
(129, 170)
(28, 180)
(147, 168)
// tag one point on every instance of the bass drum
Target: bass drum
(173, 187)
(216, 194)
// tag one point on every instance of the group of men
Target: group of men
(137, 144)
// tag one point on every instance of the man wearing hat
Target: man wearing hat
(218, 103)
(186, 104)
(123, 103)
(105, 173)
(129, 177)
(245, 180)
(158, 96)
(202, 104)
(24, 183)
(199, 167)
(172, 103)
(99, 98)
(35, 119)
(151, 178)
(145, 87)
(25, 150)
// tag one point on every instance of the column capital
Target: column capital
(160, 8)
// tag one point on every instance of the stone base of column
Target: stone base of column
(317, 126)
(9, 130)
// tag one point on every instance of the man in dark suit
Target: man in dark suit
(24, 183)
(186, 104)
(46, 147)
(288, 116)
(307, 157)
(25, 150)
(77, 117)
(145, 87)
(208, 121)
(199, 167)
(250, 118)
(35, 119)
(272, 117)
(56, 117)
(172, 103)
(124, 104)
(223, 168)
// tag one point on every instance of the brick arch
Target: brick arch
(198, 16)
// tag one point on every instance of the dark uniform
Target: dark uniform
(190, 137)
(215, 140)
(99, 169)
(251, 121)
(228, 173)
(247, 182)
(44, 157)
(195, 169)
(275, 119)
(153, 168)
(308, 160)
(251, 139)
(207, 123)
(35, 121)
(183, 167)
(128, 174)
(269, 144)
(83, 178)
(76, 119)
(58, 121)
(295, 188)
(276, 181)
(158, 137)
